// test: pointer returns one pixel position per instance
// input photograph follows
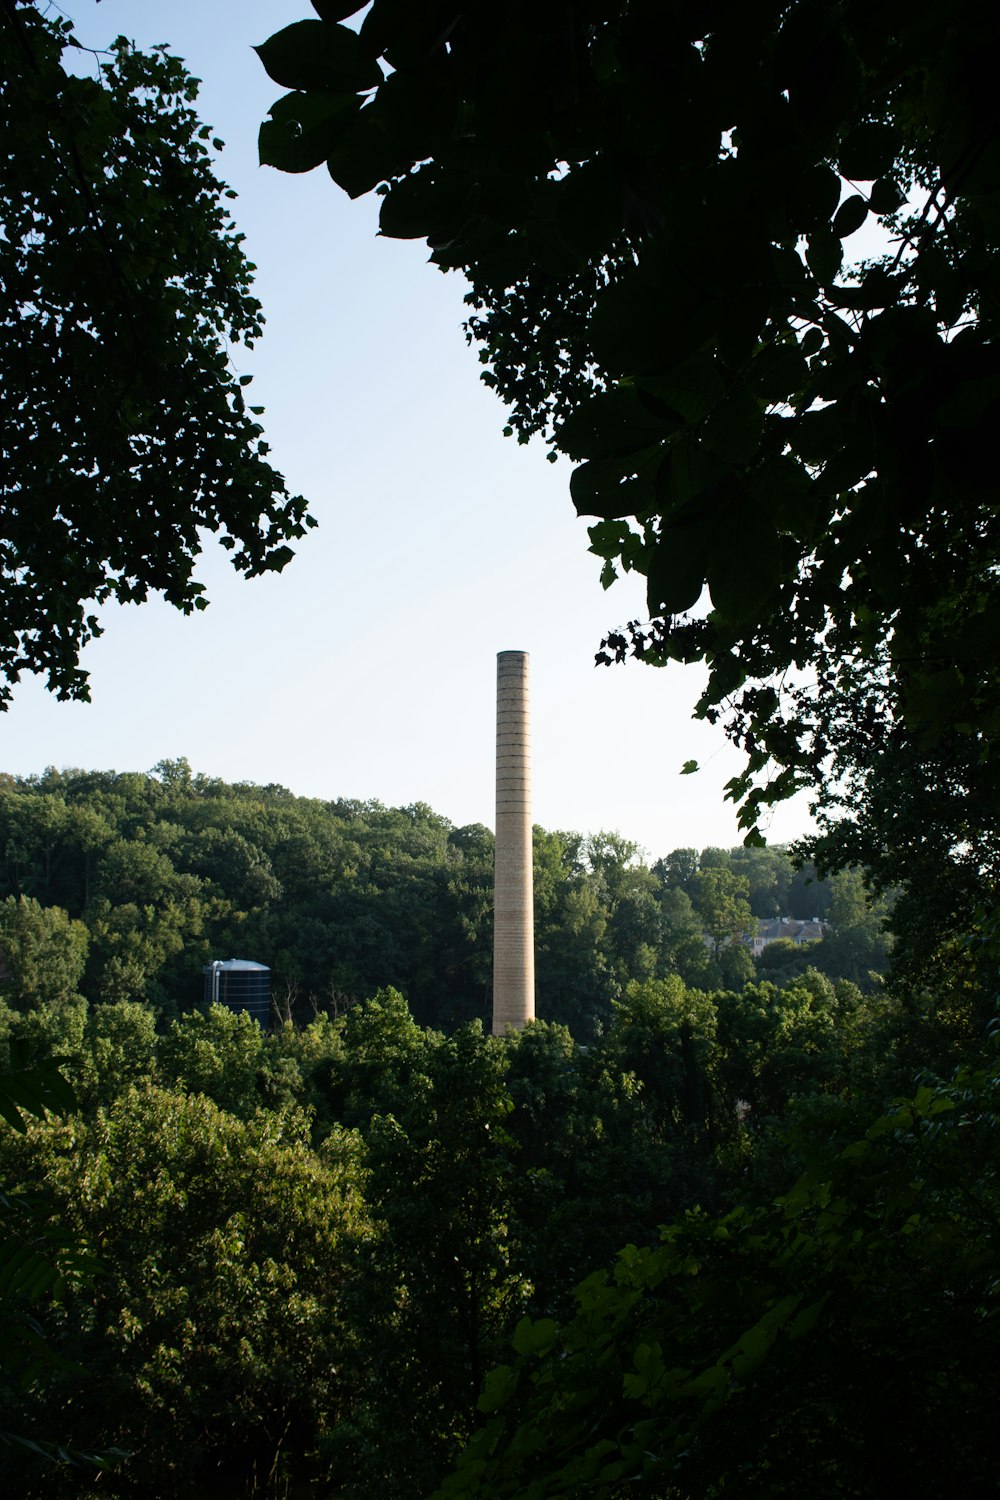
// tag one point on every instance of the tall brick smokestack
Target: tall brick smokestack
(513, 899)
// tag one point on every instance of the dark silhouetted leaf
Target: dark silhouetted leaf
(885, 197)
(693, 388)
(824, 255)
(744, 564)
(428, 204)
(612, 422)
(614, 487)
(363, 156)
(733, 430)
(850, 216)
(303, 128)
(675, 569)
(868, 151)
(314, 55)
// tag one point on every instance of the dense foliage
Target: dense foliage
(121, 886)
(784, 425)
(124, 428)
(378, 1252)
(294, 1263)
(309, 1250)
(839, 1342)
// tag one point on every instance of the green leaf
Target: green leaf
(689, 767)
(615, 487)
(303, 129)
(817, 193)
(609, 539)
(652, 311)
(805, 1320)
(589, 209)
(733, 431)
(825, 255)
(850, 216)
(868, 151)
(816, 435)
(877, 289)
(885, 197)
(744, 567)
(278, 559)
(363, 155)
(534, 1338)
(429, 204)
(970, 402)
(34, 1090)
(498, 1387)
(690, 470)
(779, 371)
(314, 55)
(675, 568)
(694, 387)
(786, 493)
(614, 422)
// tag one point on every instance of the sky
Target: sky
(367, 668)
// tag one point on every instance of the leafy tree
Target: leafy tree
(385, 1059)
(841, 1341)
(438, 1289)
(219, 1054)
(678, 869)
(682, 948)
(733, 966)
(663, 1037)
(171, 869)
(42, 953)
(38, 1263)
(119, 1050)
(784, 959)
(808, 894)
(664, 282)
(573, 983)
(858, 947)
(769, 873)
(214, 1343)
(775, 1043)
(125, 429)
(722, 905)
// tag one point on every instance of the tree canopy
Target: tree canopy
(310, 1247)
(125, 428)
(656, 207)
(118, 886)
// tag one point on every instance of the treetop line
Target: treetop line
(654, 209)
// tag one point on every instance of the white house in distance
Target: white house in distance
(770, 929)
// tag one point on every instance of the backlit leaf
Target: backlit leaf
(850, 216)
(315, 55)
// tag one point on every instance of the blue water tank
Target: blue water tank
(240, 985)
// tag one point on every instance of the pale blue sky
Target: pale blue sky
(367, 669)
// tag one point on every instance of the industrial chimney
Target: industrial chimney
(513, 898)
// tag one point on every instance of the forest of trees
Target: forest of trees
(291, 1260)
(703, 1230)
(122, 886)
(310, 1247)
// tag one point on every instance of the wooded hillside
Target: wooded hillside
(171, 870)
